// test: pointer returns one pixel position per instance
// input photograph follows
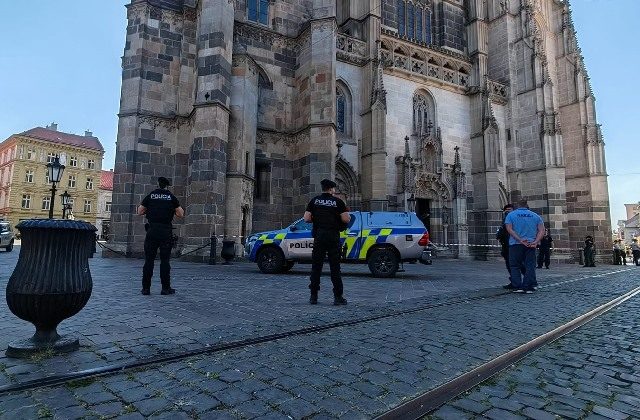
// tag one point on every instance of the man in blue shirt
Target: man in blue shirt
(526, 229)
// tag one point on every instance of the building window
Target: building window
(89, 183)
(46, 203)
(72, 181)
(262, 190)
(28, 177)
(414, 22)
(87, 206)
(107, 206)
(51, 157)
(31, 154)
(73, 161)
(340, 110)
(46, 177)
(258, 11)
(26, 201)
(91, 164)
(401, 17)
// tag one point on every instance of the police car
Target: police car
(380, 239)
(6, 236)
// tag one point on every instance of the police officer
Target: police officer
(544, 250)
(159, 206)
(329, 216)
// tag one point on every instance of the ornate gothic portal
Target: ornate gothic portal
(422, 176)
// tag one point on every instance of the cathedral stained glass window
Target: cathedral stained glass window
(414, 21)
(340, 110)
(258, 11)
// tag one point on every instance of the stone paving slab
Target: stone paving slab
(354, 372)
(590, 373)
(221, 303)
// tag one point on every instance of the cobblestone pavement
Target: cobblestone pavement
(354, 372)
(592, 373)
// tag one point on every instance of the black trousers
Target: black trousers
(636, 257)
(544, 256)
(326, 242)
(158, 237)
(589, 257)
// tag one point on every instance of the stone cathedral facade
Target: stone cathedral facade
(451, 108)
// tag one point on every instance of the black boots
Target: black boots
(314, 298)
(339, 300)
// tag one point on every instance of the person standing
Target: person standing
(623, 253)
(616, 253)
(503, 237)
(160, 206)
(329, 216)
(635, 251)
(589, 252)
(526, 229)
(544, 250)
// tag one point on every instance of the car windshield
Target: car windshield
(302, 225)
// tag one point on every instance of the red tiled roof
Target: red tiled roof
(88, 142)
(106, 180)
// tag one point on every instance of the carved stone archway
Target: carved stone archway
(348, 186)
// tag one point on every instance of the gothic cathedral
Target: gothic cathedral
(449, 108)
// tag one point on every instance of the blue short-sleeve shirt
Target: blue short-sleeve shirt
(525, 223)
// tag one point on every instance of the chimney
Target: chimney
(88, 133)
(53, 126)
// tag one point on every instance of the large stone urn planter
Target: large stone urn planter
(51, 281)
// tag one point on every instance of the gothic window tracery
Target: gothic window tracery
(414, 21)
(421, 122)
(343, 112)
(340, 109)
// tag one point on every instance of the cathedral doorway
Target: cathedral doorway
(423, 210)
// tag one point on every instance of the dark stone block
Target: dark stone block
(153, 76)
(150, 142)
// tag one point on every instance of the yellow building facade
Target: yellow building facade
(25, 190)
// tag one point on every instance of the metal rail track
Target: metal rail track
(111, 369)
(433, 399)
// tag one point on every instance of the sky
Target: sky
(62, 64)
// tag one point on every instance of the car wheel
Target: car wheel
(270, 260)
(383, 263)
(9, 247)
(288, 265)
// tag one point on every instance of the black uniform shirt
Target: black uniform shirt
(326, 210)
(546, 242)
(161, 206)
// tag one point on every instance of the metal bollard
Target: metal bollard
(212, 251)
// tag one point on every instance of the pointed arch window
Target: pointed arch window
(341, 102)
(344, 112)
(258, 11)
(421, 123)
(414, 21)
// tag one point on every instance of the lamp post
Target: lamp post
(65, 199)
(55, 170)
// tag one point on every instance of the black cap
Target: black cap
(327, 183)
(163, 182)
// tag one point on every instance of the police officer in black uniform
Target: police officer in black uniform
(159, 206)
(329, 216)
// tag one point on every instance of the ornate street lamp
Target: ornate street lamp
(55, 170)
(65, 199)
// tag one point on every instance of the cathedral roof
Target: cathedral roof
(54, 136)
